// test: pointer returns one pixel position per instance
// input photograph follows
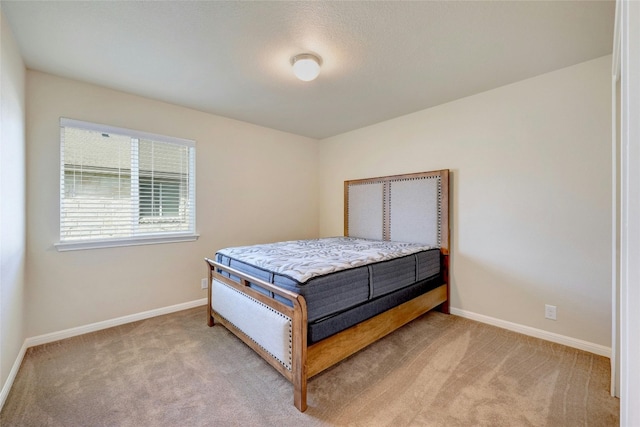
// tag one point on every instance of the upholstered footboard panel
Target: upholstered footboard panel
(265, 326)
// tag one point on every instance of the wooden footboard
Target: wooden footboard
(296, 370)
(307, 361)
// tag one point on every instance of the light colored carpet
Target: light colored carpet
(439, 370)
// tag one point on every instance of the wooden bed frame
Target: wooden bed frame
(309, 360)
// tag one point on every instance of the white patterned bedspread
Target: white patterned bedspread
(304, 259)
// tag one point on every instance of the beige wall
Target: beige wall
(531, 194)
(253, 185)
(12, 203)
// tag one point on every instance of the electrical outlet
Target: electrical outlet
(550, 312)
(204, 283)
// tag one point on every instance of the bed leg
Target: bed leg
(210, 321)
(444, 307)
(300, 394)
(299, 354)
(444, 268)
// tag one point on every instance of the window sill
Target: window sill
(134, 241)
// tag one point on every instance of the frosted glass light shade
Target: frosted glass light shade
(306, 66)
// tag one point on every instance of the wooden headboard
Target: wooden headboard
(405, 208)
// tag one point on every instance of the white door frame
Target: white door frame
(629, 303)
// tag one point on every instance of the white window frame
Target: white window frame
(146, 239)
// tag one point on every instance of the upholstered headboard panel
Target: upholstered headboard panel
(405, 208)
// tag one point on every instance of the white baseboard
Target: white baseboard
(92, 327)
(80, 330)
(12, 375)
(534, 332)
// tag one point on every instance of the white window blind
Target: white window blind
(120, 186)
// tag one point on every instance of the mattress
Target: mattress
(337, 274)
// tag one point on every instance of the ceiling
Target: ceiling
(381, 59)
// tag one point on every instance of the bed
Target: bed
(306, 305)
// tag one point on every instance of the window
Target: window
(123, 187)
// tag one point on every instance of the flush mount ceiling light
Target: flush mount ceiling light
(306, 66)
